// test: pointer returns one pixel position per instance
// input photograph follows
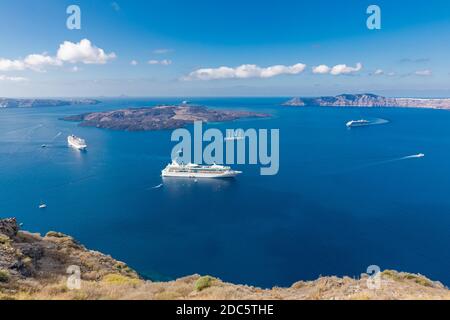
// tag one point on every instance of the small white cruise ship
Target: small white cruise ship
(236, 136)
(76, 142)
(191, 170)
(357, 123)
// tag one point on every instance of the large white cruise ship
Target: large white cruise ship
(191, 170)
(76, 142)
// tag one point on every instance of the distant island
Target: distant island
(158, 118)
(38, 103)
(368, 100)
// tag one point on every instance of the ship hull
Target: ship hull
(194, 175)
(358, 125)
(76, 146)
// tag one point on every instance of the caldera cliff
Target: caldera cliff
(368, 100)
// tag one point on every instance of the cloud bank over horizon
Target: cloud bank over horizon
(337, 70)
(244, 71)
(82, 52)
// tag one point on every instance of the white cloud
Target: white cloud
(162, 51)
(11, 65)
(322, 69)
(381, 72)
(38, 61)
(34, 62)
(164, 62)
(424, 73)
(83, 52)
(244, 71)
(12, 79)
(337, 69)
(133, 62)
(378, 72)
(344, 69)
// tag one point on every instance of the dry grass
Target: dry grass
(118, 279)
(116, 287)
(43, 276)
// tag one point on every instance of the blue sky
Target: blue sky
(224, 48)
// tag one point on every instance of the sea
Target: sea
(343, 199)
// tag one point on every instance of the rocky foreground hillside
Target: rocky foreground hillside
(368, 100)
(35, 267)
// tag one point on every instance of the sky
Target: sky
(188, 48)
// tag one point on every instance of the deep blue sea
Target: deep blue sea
(342, 200)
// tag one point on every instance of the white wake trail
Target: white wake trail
(57, 136)
(414, 156)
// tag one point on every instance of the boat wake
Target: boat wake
(159, 186)
(29, 130)
(414, 156)
(379, 121)
(57, 136)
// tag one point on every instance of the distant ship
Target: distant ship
(198, 171)
(235, 136)
(420, 155)
(357, 123)
(76, 142)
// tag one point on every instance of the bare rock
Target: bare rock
(9, 227)
(367, 100)
(158, 118)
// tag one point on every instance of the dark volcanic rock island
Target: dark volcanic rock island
(158, 118)
(368, 100)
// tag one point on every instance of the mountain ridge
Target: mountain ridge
(368, 100)
(39, 103)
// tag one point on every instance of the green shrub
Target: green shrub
(4, 276)
(204, 282)
(118, 279)
(4, 239)
(402, 276)
(419, 279)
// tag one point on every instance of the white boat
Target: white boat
(191, 170)
(238, 135)
(76, 142)
(357, 123)
(420, 155)
(42, 206)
